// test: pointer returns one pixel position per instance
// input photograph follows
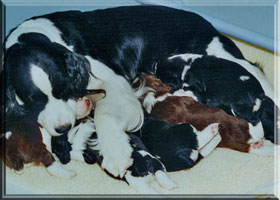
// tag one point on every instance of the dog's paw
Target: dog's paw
(149, 102)
(260, 148)
(57, 170)
(164, 181)
(145, 184)
(140, 184)
(117, 158)
(207, 134)
(209, 147)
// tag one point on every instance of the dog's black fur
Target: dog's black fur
(169, 147)
(217, 82)
(68, 73)
(129, 40)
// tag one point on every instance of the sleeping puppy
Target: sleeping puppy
(221, 84)
(25, 141)
(145, 169)
(176, 108)
(152, 154)
(84, 146)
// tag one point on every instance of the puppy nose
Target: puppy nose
(63, 129)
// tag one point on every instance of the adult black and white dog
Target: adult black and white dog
(52, 60)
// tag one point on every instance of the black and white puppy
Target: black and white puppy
(118, 44)
(158, 147)
(222, 84)
(84, 146)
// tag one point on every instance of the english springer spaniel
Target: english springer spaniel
(51, 60)
(222, 84)
(177, 107)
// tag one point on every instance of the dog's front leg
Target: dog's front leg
(55, 168)
(114, 144)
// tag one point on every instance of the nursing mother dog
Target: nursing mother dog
(52, 60)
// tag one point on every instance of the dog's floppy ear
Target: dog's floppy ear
(76, 65)
(76, 78)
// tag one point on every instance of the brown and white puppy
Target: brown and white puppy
(179, 107)
(27, 142)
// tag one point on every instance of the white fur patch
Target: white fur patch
(46, 139)
(41, 79)
(186, 57)
(187, 93)
(56, 113)
(232, 111)
(164, 181)
(94, 144)
(185, 85)
(57, 170)
(40, 25)
(185, 70)
(79, 139)
(8, 134)
(264, 150)
(149, 101)
(244, 78)
(257, 105)
(94, 83)
(256, 132)
(215, 48)
(20, 102)
(205, 136)
(207, 149)
(140, 184)
(194, 155)
(118, 112)
(119, 95)
(145, 153)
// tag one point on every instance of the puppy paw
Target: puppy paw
(19, 172)
(149, 102)
(57, 170)
(141, 184)
(117, 158)
(260, 149)
(207, 134)
(164, 181)
(209, 147)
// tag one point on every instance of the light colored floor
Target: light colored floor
(222, 172)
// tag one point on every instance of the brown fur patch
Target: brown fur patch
(176, 109)
(22, 148)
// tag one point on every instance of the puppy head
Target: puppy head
(166, 69)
